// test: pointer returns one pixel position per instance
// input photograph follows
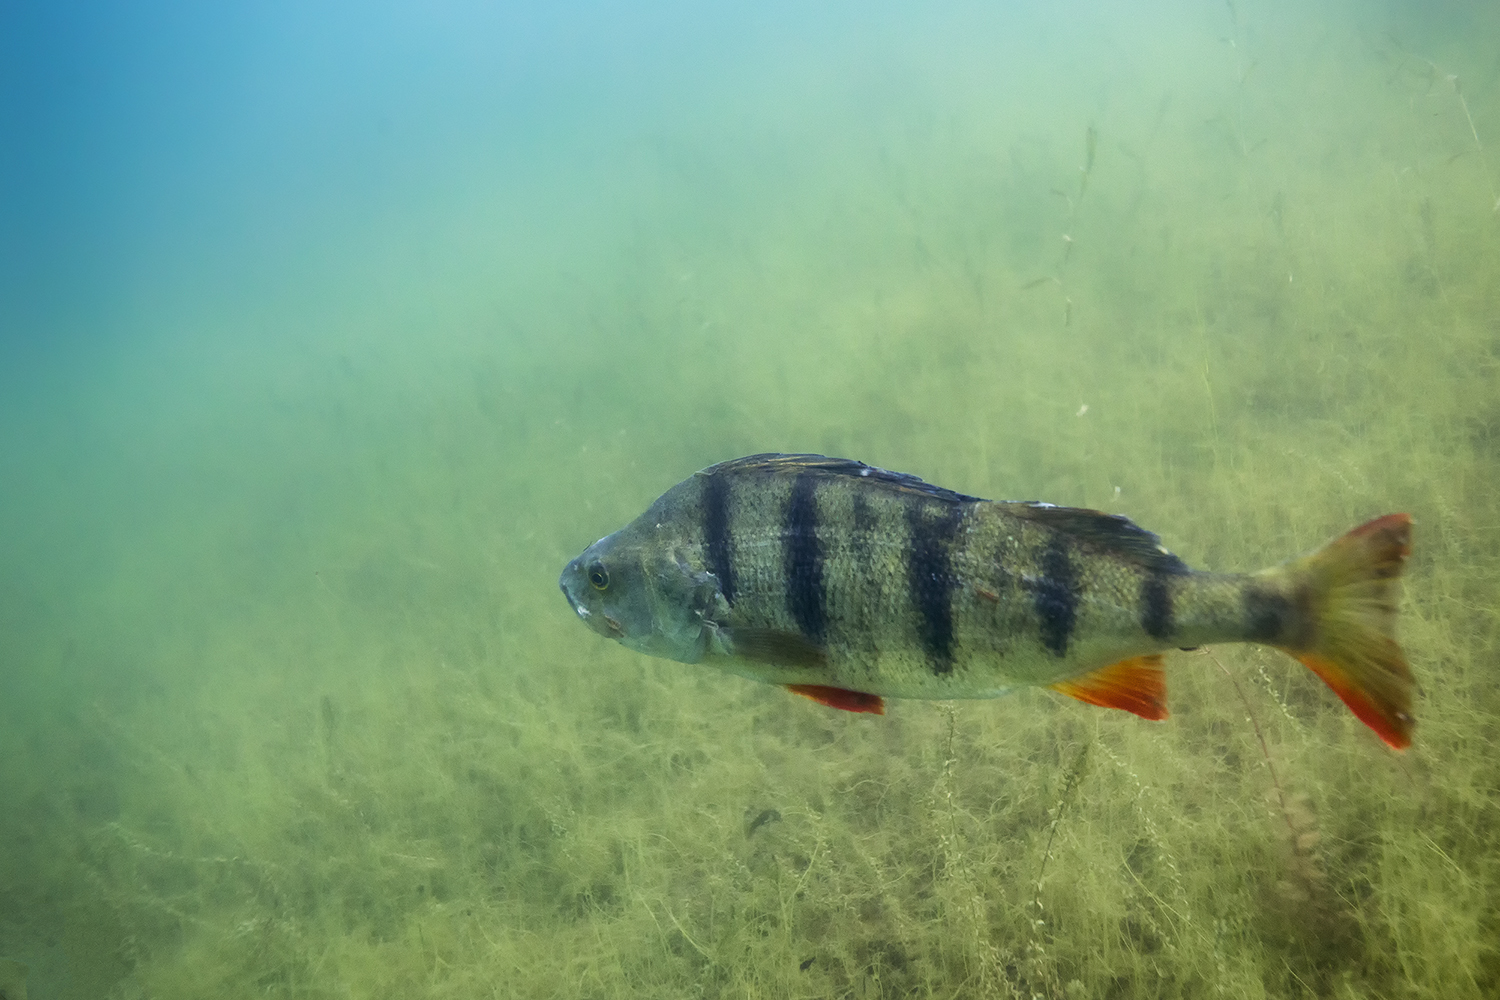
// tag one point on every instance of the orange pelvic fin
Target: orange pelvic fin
(849, 701)
(1136, 685)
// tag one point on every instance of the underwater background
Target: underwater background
(329, 332)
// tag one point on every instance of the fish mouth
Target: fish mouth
(582, 611)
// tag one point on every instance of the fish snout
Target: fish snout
(571, 583)
(571, 573)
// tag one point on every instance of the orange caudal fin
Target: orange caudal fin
(849, 701)
(1343, 603)
(1136, 685)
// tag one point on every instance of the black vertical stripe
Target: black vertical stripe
(1156, 605)
(716, 532)
(1267, 615)
(802, 560)
(930, 581)
(1055, 595)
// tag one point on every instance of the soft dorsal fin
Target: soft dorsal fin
(790, 465)
(1135, 685)
(1113, 533)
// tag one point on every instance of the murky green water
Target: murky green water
(331, 335)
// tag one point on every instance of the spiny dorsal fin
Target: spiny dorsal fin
(1114, 533)
(791, 465)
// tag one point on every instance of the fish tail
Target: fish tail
(1335, 611)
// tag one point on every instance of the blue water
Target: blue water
(329, 332)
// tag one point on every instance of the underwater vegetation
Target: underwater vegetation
(291, 706)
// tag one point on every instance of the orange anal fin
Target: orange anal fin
(849, 701)
(1136, 685)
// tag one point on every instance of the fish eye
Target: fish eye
(598, 576)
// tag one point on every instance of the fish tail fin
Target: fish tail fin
(1335, 611)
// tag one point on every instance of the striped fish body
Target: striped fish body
(850, 583)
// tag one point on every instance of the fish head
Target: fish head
(642, 594)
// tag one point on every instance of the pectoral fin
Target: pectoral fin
(849, 701)
(781, 649)
(1136, 685)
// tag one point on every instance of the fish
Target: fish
(849, 584)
